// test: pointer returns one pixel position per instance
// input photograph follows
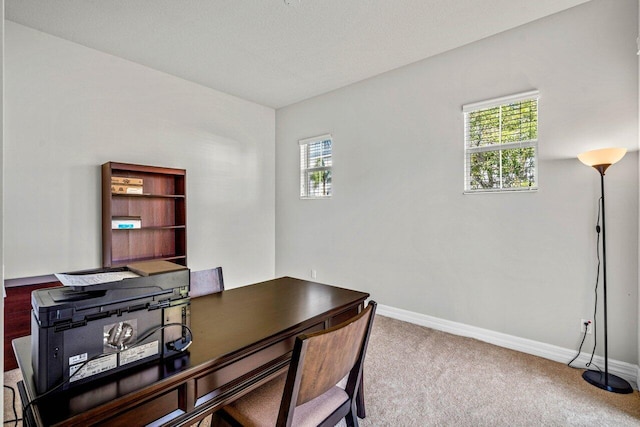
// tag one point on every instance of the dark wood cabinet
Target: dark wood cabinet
(17, 317)
(160, 206)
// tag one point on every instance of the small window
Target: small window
(315, 167)
(501, 144)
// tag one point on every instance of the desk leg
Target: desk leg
(360, 409)
(27, 417)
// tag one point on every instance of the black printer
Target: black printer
(84, 332)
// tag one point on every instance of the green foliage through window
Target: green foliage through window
(315, 167)
(501, 144)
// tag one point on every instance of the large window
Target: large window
(501, 144)
(315, 167)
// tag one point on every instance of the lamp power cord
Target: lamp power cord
(595, 305)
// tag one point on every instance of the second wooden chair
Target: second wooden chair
(206, 282)
(308, 395)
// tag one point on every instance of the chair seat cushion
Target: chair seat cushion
(260, 407)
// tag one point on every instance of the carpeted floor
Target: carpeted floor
(415, 376)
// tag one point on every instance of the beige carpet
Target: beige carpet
(417, 376)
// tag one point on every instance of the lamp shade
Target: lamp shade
(604, 156)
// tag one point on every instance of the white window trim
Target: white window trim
(494, 102)
(315, 139)
(490, 103)
(310, 140)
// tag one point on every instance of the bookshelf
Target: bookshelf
(160, 203)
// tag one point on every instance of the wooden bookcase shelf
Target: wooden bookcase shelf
(162, 209)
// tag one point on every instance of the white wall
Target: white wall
(1, 191)
(638, 47)
(69, 109)
(398, 225)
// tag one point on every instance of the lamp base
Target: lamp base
(608, 382)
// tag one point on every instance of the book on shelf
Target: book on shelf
(125, 222)
(125, 180)
(149, 268)
(126, 189)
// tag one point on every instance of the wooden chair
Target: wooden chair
(308, 395)
(206, 282)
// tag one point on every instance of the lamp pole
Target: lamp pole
(601, 160)
(601, 169)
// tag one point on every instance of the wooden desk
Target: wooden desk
(242, 338)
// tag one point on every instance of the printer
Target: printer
(87, 331)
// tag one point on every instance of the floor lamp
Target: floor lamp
(601, 160)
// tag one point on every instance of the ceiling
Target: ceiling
(276, 52)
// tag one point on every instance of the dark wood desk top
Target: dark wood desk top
(237, 319)
(227, 326)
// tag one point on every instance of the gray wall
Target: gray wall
(1, 190)
(398, 225)
(69, 109)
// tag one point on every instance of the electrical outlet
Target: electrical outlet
(585, 323)
(313, 274)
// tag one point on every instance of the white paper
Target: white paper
(94, 279)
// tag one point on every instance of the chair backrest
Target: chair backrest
(206, 282)
(321, 359)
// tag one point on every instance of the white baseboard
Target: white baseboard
(559, 354)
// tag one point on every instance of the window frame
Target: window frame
(304, 171)
(499, 147)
